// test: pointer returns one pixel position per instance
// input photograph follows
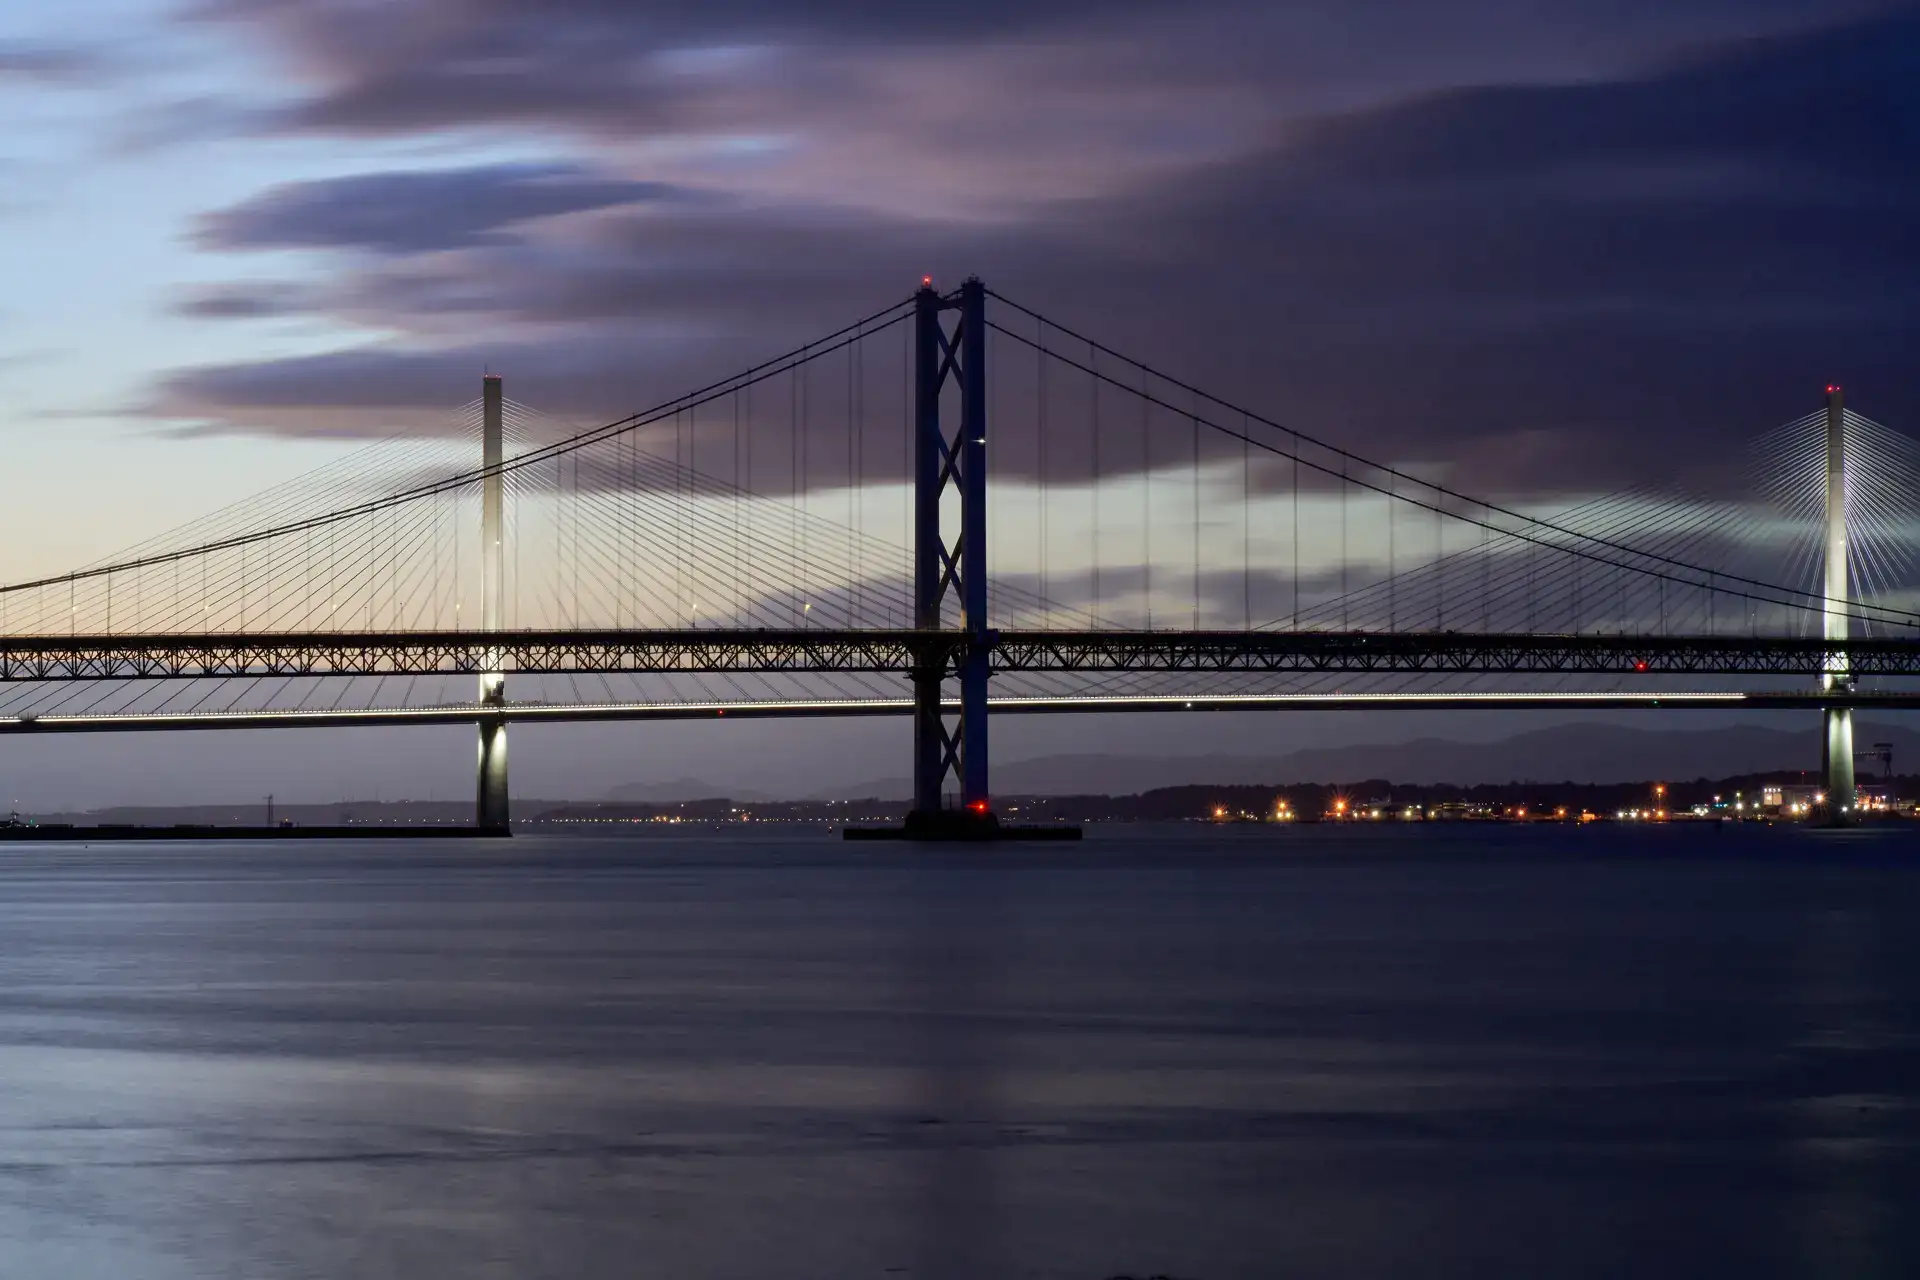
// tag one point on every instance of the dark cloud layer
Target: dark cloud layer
(403, 212)
(414, 65)
(46, 63)
(1533, 284)
(255, 300)
(613, 65)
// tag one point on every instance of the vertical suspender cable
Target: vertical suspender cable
(1294, 460)
(1146, 490)
(1093, 380)
(573, 519)
(793, 475)
(1344, 621)
(1579, 575)
(1196, 522)
(1486, 571)
(1532, 607)
(623, 551)
(855, 480)
(679, 521)
(1393, 557)
(738, 602)
(906, 454)
(694, 574)
(1040, 420)
(559, 549)
(804, 503)
(747, 449)
(1620, 578)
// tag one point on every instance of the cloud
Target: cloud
(1535, 288)
(159, 125)
(250, 300)
(46, 64)
(894, 107)
(601, 65)
(608, 64)
(1831, 102)
(415, 211)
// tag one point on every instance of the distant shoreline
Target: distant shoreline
(1732, 796)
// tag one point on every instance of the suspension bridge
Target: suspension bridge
(813, 537)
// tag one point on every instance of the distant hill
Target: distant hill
(682, 789)
(1595, 753)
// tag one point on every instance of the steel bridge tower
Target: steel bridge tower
(1837, 722)
(950, 458)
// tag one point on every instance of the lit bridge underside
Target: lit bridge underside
(536, 713)
(769, 652)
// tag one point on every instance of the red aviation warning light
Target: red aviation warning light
(926, 282)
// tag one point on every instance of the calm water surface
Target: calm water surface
(1206, 1054)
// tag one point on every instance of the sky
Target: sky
(1536, 242)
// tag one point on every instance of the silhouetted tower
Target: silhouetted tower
(957, 460)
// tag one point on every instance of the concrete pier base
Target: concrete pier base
(490, 801)
(1837, 747)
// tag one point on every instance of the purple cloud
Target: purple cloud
(1527, 282)
(417, 211)
(253, 300)
(46, 63)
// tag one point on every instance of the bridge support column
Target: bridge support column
(1837, 722)
(974, 794)
(490, 803)
(490, 809)
(957, 461)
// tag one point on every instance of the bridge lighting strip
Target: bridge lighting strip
(529, 713)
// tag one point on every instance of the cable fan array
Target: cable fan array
(1274, 527)
(1121, 497)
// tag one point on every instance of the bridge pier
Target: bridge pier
(1837, 722)
(1836, 741)
(490, 808)
(490, 799)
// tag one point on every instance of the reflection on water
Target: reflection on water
(1200, 1053)
(1857, 1018)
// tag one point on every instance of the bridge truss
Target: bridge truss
(904, 653)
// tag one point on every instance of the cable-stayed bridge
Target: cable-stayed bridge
(829, 533)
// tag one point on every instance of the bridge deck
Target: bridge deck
(537, 713)
(154, 657)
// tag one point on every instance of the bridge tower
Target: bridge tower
(1837, 722)
(490, 806)
(955, 459)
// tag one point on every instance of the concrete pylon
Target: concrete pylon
(490, 806)
(1837, 722)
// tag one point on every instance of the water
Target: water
(1245, 1052)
